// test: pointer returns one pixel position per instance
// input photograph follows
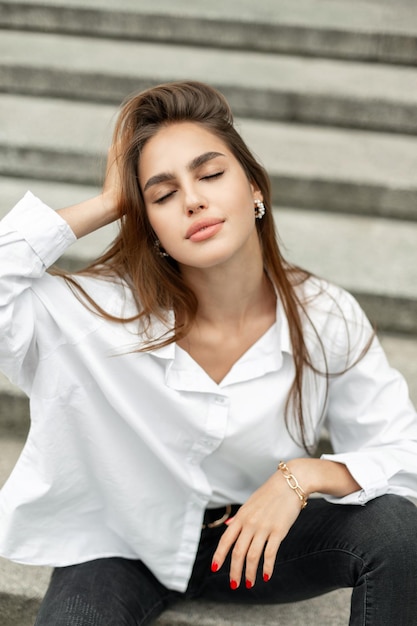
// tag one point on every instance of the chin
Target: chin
(210, 262)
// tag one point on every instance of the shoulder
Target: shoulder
(83, 302)
(322, 298)
(111, 293)
(80, 303)
(333, 320)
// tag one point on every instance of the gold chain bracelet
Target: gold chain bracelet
(293, 483)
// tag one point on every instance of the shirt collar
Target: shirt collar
(265, 355)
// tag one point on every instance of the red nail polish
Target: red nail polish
(233, 584)
(248, 584)
(266, 578)
(214, 566)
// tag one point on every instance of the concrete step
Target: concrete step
(351, 251)
(54, 194)
(14, 406)
(375, 30)
(334, 169)
(375, 259)
(312, 91)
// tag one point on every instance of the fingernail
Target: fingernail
(248, 584)
(233, 584)
(214, 566)
(227, 522)
(266, 578)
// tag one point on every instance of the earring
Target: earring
(259, 209)
(159, 249)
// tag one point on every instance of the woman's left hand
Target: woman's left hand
(258, 528)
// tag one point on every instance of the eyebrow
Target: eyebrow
(197, 162)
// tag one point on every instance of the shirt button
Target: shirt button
(219, 399)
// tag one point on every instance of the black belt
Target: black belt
(216, 517)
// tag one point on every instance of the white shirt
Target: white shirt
(127, 449)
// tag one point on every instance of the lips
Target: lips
(201, 225)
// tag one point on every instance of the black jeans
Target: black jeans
(372, 549)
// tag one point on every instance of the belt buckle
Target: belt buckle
(221, 520)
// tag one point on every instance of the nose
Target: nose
(195, 208)
(195, 203)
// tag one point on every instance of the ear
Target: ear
(256, 192)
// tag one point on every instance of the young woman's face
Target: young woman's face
(198, 198)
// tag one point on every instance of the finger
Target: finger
(239, 554)
(253, 557)
(224, 546)
(270, 555)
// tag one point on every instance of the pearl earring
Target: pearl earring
(259, 209)
(159, 249)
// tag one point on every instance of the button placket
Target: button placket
(214, 431)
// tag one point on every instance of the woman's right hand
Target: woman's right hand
(112, 182)
(94, 213)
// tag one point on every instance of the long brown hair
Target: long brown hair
(156, 282)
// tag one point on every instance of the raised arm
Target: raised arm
(94, 213)
(32, 238)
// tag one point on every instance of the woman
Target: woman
(189, 371)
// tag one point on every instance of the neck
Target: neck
(230, 295)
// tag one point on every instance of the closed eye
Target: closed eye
(165, 197)
(211, 176)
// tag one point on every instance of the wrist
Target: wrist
(90, 215)
(110, 206)
(323, 476)
(293, 484)
(306, 472)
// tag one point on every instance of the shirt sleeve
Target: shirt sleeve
(32, 237)
(371, 420)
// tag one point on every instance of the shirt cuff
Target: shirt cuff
(45, 231)
(367, 473)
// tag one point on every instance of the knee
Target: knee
(390, 533)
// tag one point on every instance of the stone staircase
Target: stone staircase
(327, 98)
